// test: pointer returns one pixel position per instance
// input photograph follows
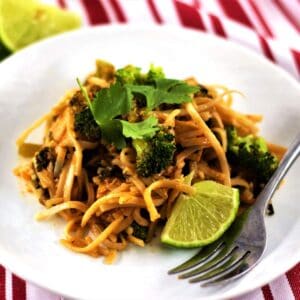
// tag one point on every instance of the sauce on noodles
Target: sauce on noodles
(102, 210)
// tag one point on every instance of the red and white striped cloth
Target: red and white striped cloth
(269, 27)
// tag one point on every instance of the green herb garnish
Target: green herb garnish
(165, 90)
(140, 130)
(111, 105)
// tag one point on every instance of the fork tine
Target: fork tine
(219, 261)
(203, 255)
(239, 272)
(229, 237)
(223, 272)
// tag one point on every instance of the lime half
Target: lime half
(201, 218)
(23, 22)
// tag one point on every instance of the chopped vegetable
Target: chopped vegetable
(155, 154)
(252, 153)
(139, 231)
(140, 130)
(155, 73)
(105, 70)
(112, 133)
(109, 172)
(129, 74)
(86, 127)
(132, 75)
(110, 105)
(43, 158)
(169, 91)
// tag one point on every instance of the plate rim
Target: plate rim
(25, 272)
(164, 27)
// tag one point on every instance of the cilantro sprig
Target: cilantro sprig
(109, 105)
(170, 91)
(140, 130)
(115, 131)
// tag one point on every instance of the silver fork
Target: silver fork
(243, 244)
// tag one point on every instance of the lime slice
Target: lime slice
(201, 218)
(23, 22)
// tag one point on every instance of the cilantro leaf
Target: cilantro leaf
(166, 84)
(110, 103)
(146, 90)
(140, 130)
(169, 91)
(112, 133)
(173, 91)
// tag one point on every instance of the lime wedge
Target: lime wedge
(23, 22)
(201, 218)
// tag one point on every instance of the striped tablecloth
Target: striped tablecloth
(269, 27)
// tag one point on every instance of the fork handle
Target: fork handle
(289, 158)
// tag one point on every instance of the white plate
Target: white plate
(34, 79)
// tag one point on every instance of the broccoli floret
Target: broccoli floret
(43, 158)
(155, 73)
(139, 231)
(86, 126)
(252, 153)
(154, 154)
(133, 75)
(129, 74)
